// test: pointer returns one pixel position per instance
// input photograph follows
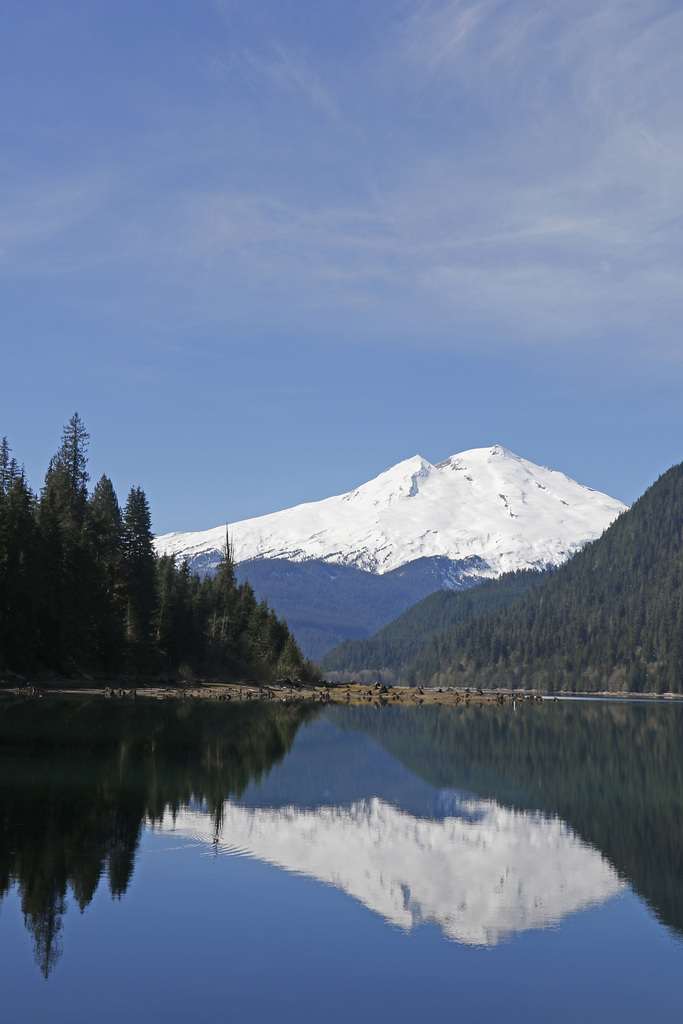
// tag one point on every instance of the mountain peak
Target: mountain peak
(478, 455)
(486, 504)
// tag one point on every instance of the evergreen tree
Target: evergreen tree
(66, 569)
(68, 475)
(290, 663)
(140, 575)
(164, 615)
(18, 576)
(9, 470)
(104, 533)
(223, 628)
(225, 570)
(179, 615)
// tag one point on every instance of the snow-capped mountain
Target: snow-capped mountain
(486, 507)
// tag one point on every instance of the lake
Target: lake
(171, 860)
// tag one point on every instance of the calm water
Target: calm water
(171, 861)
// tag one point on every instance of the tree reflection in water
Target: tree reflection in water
(78, 778)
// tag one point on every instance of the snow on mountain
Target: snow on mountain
(486, 504)
(481, 876)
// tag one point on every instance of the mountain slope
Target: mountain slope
(610, 619)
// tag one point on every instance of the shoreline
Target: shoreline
(352, 694)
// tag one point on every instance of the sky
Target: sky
(267, 249)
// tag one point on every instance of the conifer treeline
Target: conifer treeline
(82, 589)
(395, 648)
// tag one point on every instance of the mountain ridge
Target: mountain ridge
(484, 503)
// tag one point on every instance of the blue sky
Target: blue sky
(268, 249)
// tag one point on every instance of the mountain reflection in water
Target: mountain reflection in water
(480, 877)
(485, 821)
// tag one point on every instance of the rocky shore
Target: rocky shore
(351, 693)
(286, 690)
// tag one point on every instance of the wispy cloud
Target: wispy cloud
(275, 74)
(508, 165)
(530, 268)
(35, 214)
(288, 76)
(438, 34)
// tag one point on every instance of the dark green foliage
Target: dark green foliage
(9, 471)
(64, 561)
(82, 590)
(78, 778)
(395, 649)
(18, 563)
(104, 533)
(610, 619)
(139, 570)
(67, 475)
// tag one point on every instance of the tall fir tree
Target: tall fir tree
(104, 534)
(140, 576)
(19, 576)
(68, 473)
(66, 568)
(222, 628)
(9, 470)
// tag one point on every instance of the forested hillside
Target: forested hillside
(82, 590)
(395, 648)
(609, 619)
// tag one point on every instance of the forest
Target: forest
(394, 649)
(82, 591)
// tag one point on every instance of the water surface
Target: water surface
(169, 859)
